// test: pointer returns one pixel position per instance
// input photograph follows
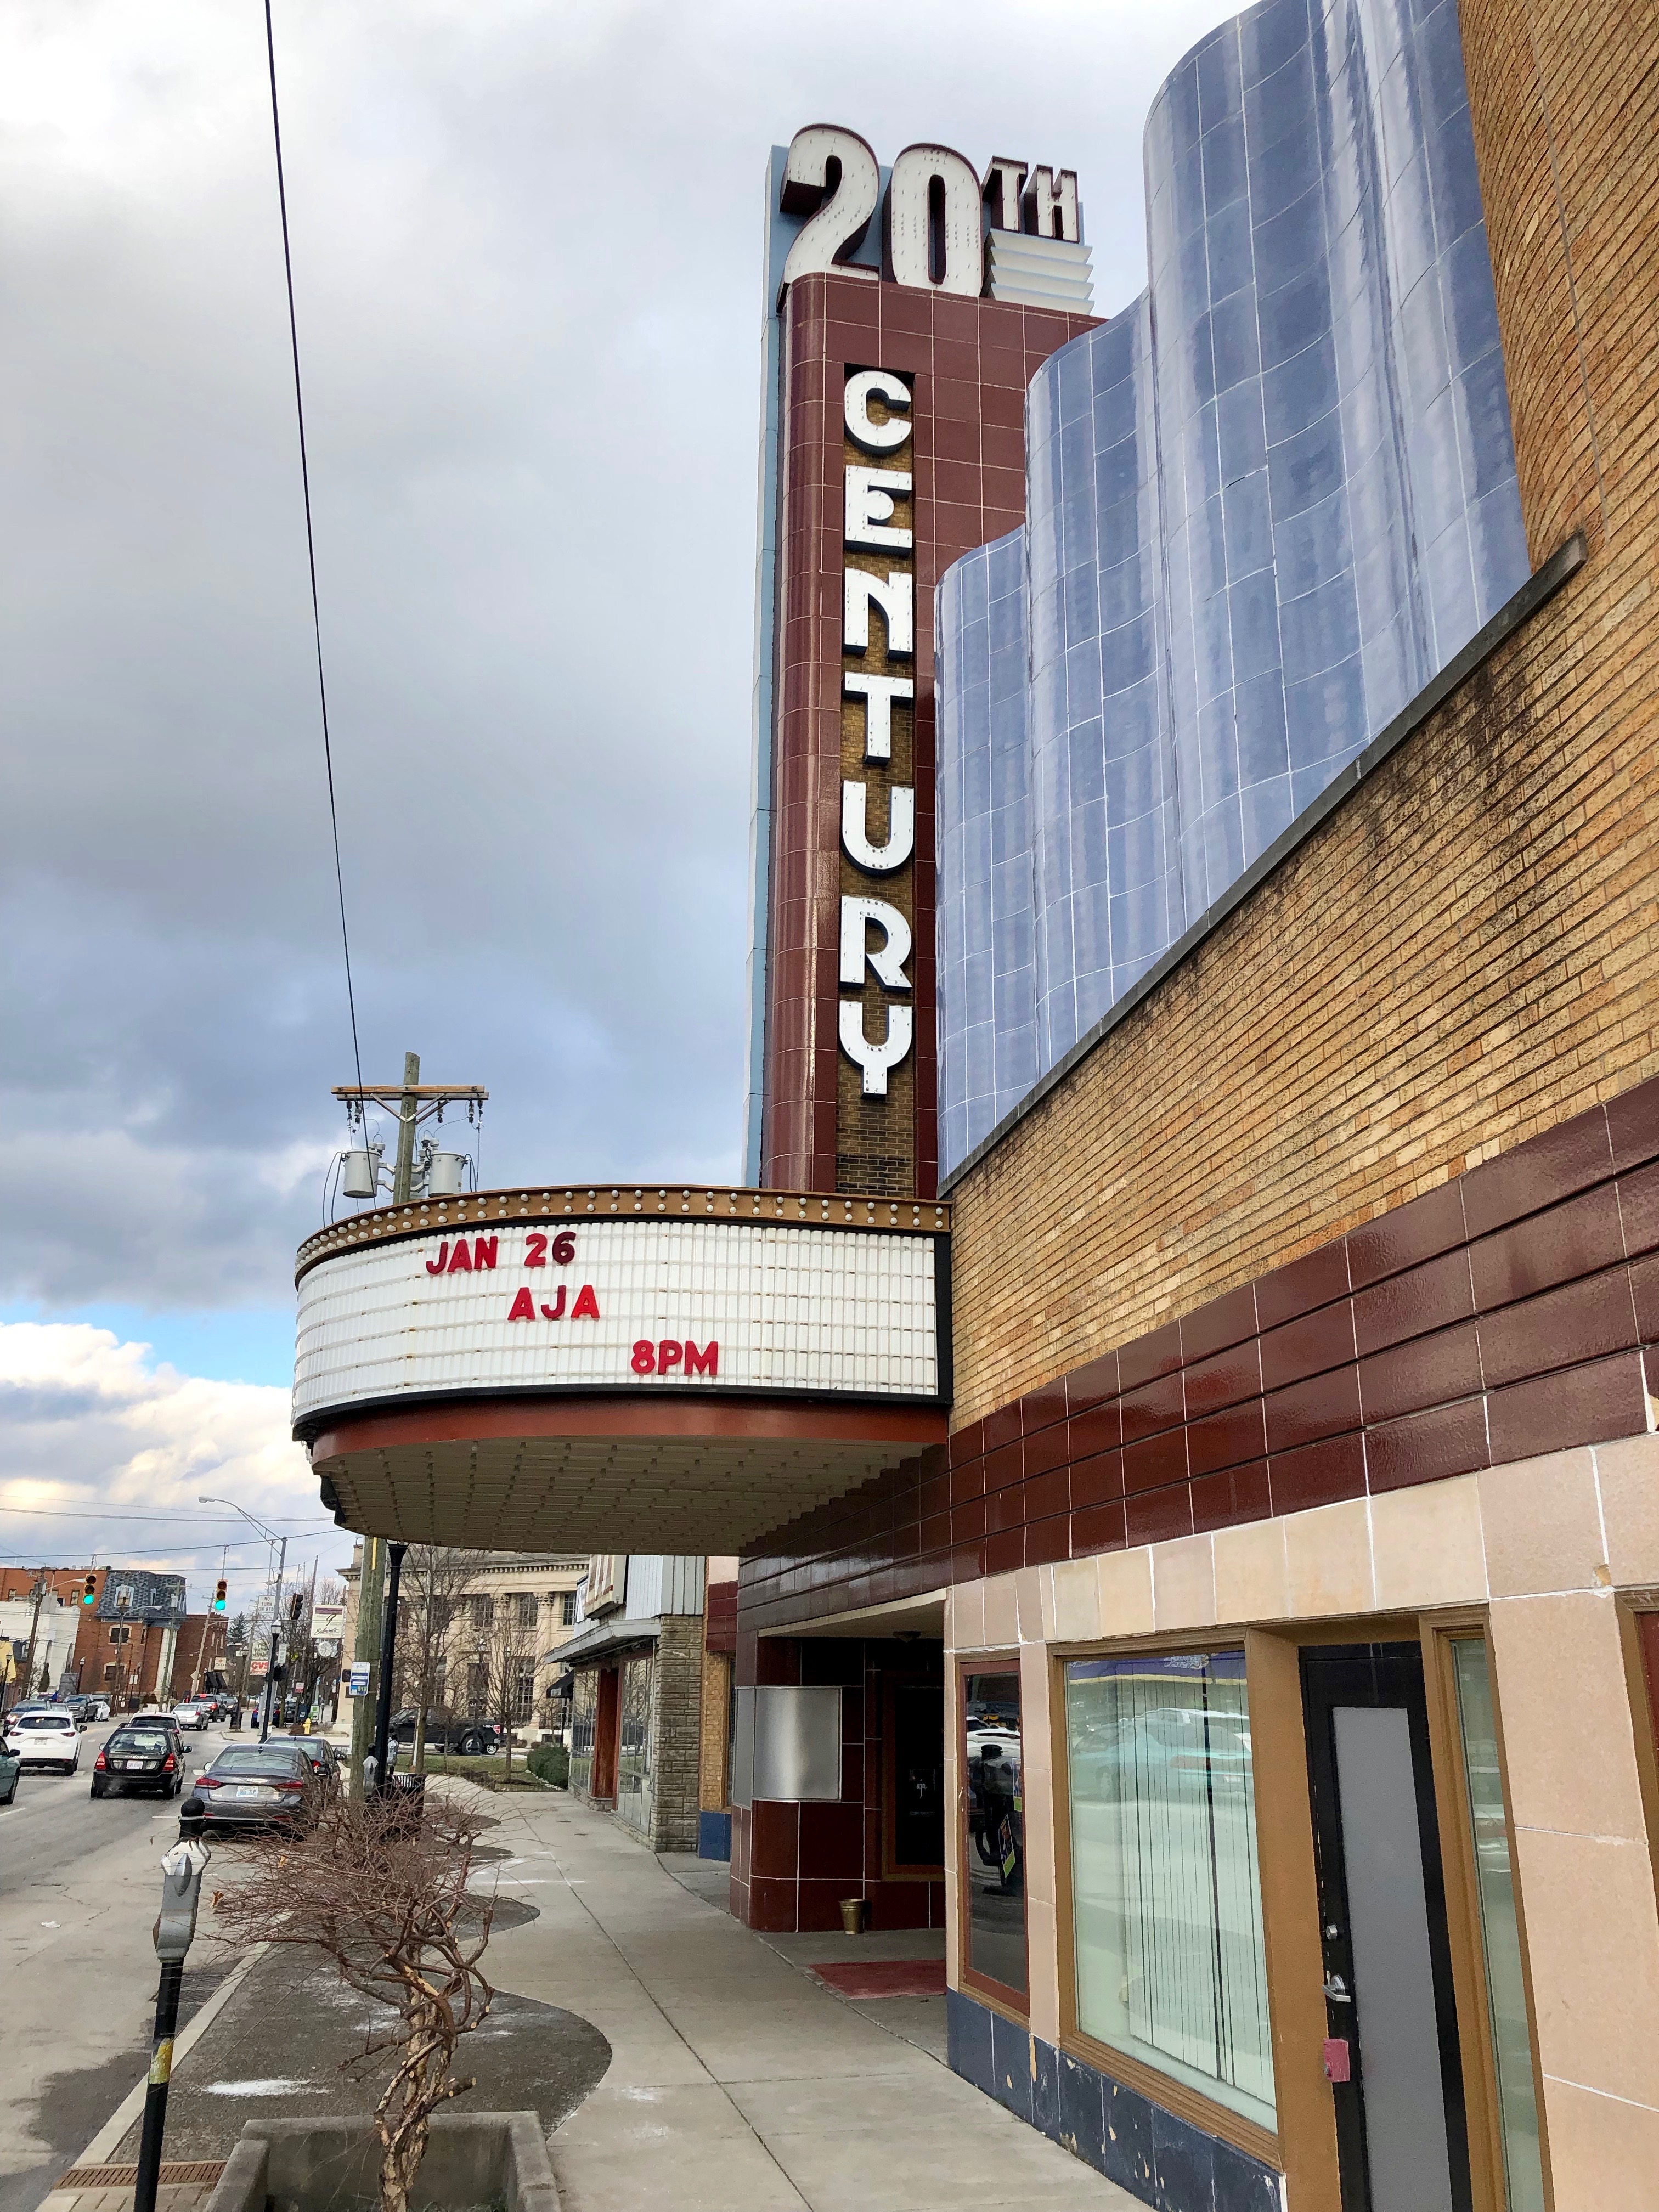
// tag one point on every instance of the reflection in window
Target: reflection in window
(584, 1709)
(1166, 1895)
(634, 1789)
(1500, 1934)
(994, 1877)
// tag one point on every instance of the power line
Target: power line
(160, 1519)
(310, 543)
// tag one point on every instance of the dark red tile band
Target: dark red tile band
(1513, 1312)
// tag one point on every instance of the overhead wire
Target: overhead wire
(310, 543)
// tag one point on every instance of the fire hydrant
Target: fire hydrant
(182, 1868)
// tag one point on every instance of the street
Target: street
(79, 1883)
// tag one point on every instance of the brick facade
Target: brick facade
(1464, 953)
(969, 362)
(714, 1782)
(1565, 103)
(677, 1733)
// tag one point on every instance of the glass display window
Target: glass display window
(994, 1855)
(1166, 1895)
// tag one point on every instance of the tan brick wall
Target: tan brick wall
(715, 1783)
(1465, 953)
(1565, 101)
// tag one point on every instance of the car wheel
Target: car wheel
(97, 1789)
(472, 1746)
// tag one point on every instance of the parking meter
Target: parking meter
(182, 1868)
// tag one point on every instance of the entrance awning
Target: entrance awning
(665, 1369)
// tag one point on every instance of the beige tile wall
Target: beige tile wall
(1546, 1544)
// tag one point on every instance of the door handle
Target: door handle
(1336, 1990)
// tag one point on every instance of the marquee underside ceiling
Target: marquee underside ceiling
(579, 1490)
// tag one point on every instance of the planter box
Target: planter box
(473, 2160)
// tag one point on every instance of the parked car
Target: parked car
(446, 1731)
(139, 1756)
(44, 1736)
(73, 1704)
(11, 1767)
(258, 1785)
(98, 1708)
(194, 1713)
(325, 1759)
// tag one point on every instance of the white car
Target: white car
(194, 1713)
(45, 1738)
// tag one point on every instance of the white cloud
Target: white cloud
(104, 1452)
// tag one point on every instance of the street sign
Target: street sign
(357, 1680)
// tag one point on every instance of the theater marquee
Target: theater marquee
(843, 1298)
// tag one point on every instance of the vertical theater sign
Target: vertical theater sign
(906, 311)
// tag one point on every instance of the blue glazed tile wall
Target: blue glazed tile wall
(1163, 2160)
(1265, 505)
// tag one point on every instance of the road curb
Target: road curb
(99, 2150)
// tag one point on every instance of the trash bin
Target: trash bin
(854, 1915)
(408, 1793)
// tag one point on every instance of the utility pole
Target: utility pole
(403, 1174)
(39, 1594)
(371, 1585)
(275, 1642)
(415, 1101)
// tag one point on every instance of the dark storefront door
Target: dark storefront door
(916, 1815)
(1391, 2016)
(606, 1723)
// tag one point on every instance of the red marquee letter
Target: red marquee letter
(668, 1355)
(535, 1251)
(587, 1307)
(702, 1363)
(459, 1262)
(524, 1307)
(483, 1251)
(556, 1309)
(645, 1356)
(436, 1266)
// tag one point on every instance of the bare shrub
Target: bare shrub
(381, 1892)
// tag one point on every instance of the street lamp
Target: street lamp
(270, 1537)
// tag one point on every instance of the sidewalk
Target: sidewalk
(737, 2082)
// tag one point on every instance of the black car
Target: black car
(263, 1785)
(140, 1755)
(446, 1731)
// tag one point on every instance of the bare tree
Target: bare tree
(382, 1894)
(434, 1577)
(512, 1667)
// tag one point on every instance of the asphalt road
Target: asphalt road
(80, 1882)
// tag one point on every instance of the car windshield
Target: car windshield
(258, 1758)
(136, 1739)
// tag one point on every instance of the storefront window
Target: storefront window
(1166, 1895)
(1500, 1933)
(995, 1875)
(584, 1710)
(634, 1783)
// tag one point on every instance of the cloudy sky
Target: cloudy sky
(526, 237)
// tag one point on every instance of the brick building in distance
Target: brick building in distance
(135, 1641)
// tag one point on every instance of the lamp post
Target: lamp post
(271, 1538)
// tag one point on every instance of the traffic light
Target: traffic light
(90, 1591)
(218, 1596)
(296, 1606)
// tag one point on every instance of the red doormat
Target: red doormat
(886, 1978)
